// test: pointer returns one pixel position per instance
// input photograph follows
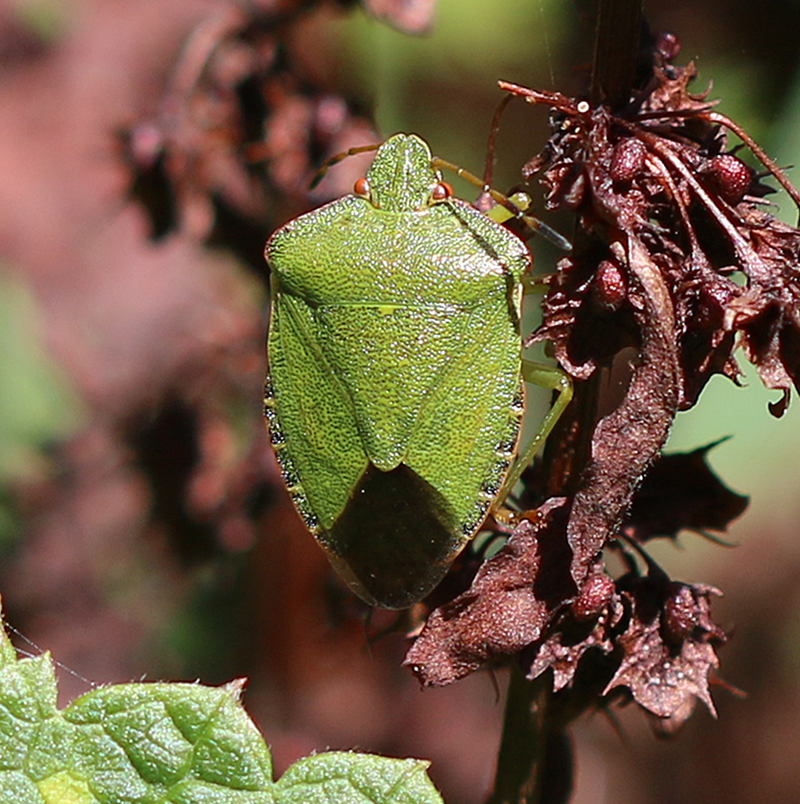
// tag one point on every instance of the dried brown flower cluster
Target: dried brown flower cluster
(675, 262)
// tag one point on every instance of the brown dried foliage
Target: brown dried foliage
(677, 262)
(240, 130)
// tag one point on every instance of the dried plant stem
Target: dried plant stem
(534, 764)
(616, 43)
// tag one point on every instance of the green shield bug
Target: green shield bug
(394, 396)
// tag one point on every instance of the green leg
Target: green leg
(535, 284)
(545, 377)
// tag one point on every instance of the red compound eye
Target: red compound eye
(441, 191)
(361, 187)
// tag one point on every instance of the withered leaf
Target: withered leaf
(563, 654)
(666, 668)
(768, 312)
(626, 441)
(681, 492)
(507, 606)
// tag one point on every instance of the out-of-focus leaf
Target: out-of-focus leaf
(36, 405)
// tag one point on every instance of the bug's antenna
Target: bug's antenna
(336, 158)
(490, 145)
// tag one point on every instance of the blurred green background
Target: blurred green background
(143, 528)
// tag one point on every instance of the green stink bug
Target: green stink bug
(394, 396)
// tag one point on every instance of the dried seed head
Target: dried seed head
(594, 596)
(729, 176)
(627, 160)
(609, 285)
(681, 614)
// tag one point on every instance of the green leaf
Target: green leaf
(349, 778)
(162, 743)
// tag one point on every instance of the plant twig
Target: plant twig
(535, 760)
(615, 47)
(520, 763)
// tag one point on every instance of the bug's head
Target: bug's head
(402, 177)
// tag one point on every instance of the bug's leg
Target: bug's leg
(515, 206)
(556, 380)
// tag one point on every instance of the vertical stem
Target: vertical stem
(522, 745)
(535, 761)
(616, 45)
(534, 765)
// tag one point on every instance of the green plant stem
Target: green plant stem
(534, 765)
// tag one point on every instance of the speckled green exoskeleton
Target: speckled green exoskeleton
(394, 396)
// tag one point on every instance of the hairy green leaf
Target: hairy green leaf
(159, 743)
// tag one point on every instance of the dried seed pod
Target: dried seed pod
(609, 286)
(627, 160)
(681, 615)
(594, 596)
(668, 45)
(729, 176)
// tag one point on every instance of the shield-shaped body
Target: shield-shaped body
(394, 396)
